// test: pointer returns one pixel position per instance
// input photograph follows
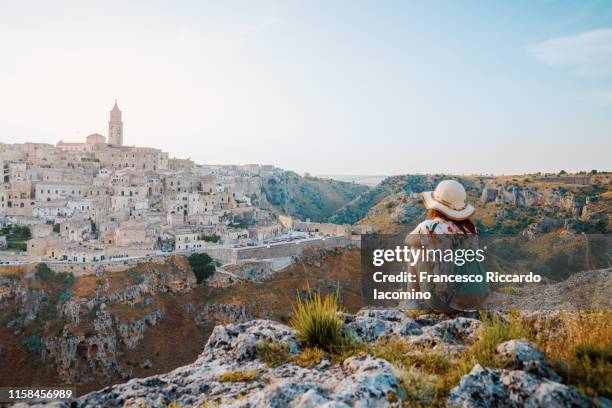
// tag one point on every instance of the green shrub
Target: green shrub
(43, 272)
(317, 322)
(202, 265)
(34, 343)
(210, 238)
(65, 295)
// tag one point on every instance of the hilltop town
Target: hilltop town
(101, 201)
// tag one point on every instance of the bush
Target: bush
(43, 272)
(317, 322)
(202, 265)
(210, 238)
(34, 344)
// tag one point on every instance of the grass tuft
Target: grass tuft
(494, 331)
(579, 345)
(309, 357)
(419, 388)
(317, 323)
(238, 376)
(272, 353)
(416, 313)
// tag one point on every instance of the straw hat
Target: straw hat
(449, 198)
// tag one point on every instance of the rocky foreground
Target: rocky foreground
(361, 380)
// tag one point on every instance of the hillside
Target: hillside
(93, 331)
(532, 204)
(397, 358)
(308, 197)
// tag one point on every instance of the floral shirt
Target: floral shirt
(437, 226)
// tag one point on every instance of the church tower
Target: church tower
(115, 127)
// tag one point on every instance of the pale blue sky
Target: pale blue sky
(328, 87)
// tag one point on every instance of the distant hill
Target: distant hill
(529, 204)
(369, 181)
(308, 197)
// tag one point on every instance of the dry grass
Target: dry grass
(272, 353)
(426, 376)
(238, 376)
(316, 321)
(579, 343)
(416, 313)
(309, 357)
(419, 388)
(494, 331)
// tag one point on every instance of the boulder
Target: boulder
(484, 388)
(522, 355)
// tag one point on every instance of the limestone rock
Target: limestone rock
(484, 387)
(372, 324)
(522, 355)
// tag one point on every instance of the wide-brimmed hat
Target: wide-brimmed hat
(449, 198)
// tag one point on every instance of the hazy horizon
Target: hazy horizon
(338, 88)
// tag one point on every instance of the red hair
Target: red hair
(467, 225)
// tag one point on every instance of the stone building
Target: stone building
(115, 127)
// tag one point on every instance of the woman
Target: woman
(448, 226)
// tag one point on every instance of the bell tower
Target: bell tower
(115, 127)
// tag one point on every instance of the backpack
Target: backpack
(468, 296)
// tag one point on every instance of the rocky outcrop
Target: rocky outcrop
(229, 374)
(80, 338)
(532, 196)
(544, 225)
(485, 388)
(359, 381)
(522, 355)
(222, 314)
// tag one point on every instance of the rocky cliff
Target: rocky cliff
(230, 371)
(93, 331)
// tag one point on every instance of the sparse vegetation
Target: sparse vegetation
(419, 387)
(579, 344)
(308, 197)
(272, 353)
(309, 357)
(34, 343)
(426, 376)
(238, 376)
(494, 331)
